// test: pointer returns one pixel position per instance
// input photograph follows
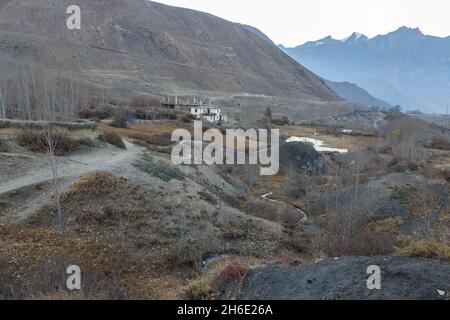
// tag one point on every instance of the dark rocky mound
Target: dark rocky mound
(301, 156)
(346, 279)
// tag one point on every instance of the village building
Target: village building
(211, 114)
(182, 104)
(199, 108)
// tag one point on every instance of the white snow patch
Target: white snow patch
(354, 36)
(318, 144)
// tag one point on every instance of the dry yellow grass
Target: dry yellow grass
(444, 217)
(25, 252)
(96, 183)
(388, 225)
(265, 183)
(166, 127)
(203, 287)
(428, 248)
(341, 141)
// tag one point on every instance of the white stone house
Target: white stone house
(212, 114)
(197, 112)
(208, 113)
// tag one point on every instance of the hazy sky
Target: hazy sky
(293, 22)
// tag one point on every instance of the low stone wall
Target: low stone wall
(77, 130)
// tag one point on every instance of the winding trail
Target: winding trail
(107, 158)
(267, 196)
(70, 168)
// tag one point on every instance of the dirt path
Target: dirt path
(106, 158)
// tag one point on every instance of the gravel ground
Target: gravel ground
(346, 279)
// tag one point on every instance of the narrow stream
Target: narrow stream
(206, 261)
(210, 259)
(267, 196)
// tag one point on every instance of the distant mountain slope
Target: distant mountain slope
(258, 33)
(404, 67)
(145, 46)
(346, 90)
(351, 92)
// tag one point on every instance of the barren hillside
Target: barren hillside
(143, 46)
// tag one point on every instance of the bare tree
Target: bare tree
(2, 104)
(51, 138)
(32, 93)
(406, 135)
(54, 108)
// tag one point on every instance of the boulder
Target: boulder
(301, 156)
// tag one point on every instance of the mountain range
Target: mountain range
(344, 89)
(404, 67)
(354, 93)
